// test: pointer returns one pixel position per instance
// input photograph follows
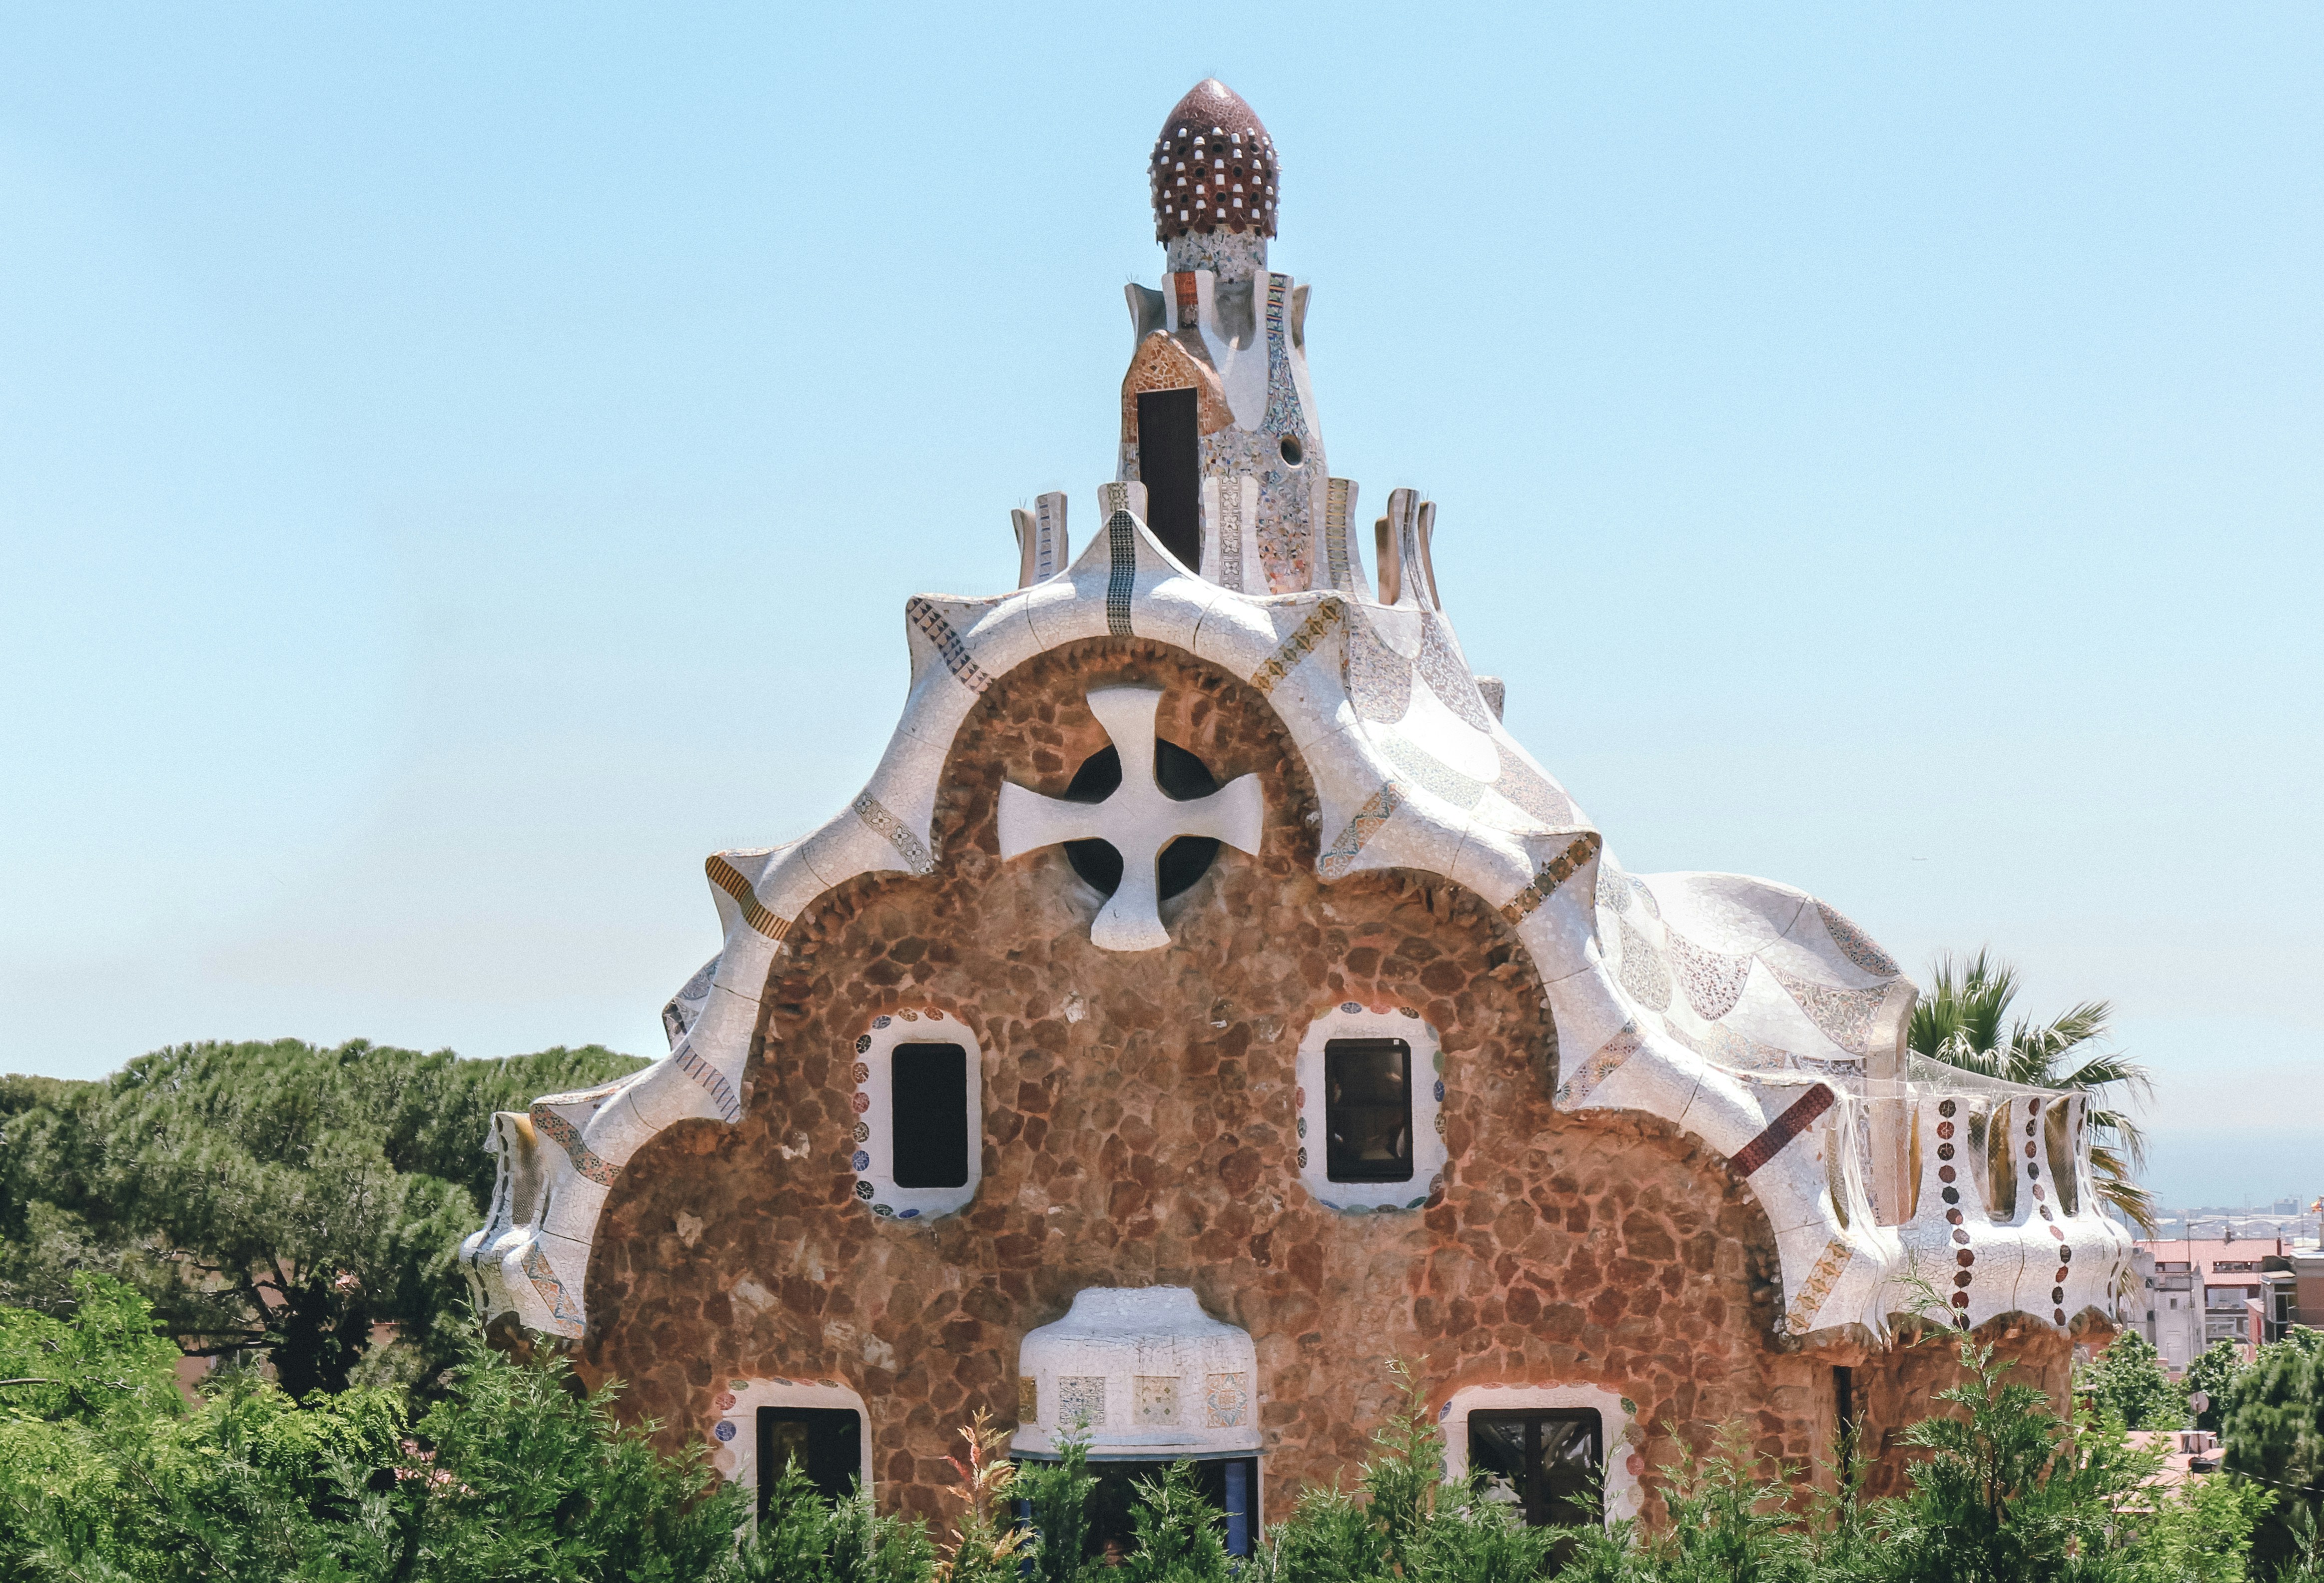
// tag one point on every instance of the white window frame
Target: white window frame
(735, 1432)
(1350, 1020)
(1618, 1420)
(870, 1148)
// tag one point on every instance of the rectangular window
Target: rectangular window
(1170, 466)
(1546, 1463)
(826, 1443)
(927, 1094)
(1367, 1110)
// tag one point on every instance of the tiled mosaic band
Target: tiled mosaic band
(1299, 645)
(1781, 1130)
(1554, 873)
(948, 647)
(729, 878)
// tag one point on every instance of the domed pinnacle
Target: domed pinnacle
(1213, 168)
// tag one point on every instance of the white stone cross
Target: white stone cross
(1137, 818)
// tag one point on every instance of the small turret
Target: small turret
(1217, 417)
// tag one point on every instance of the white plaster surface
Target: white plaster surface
(1102, 1371)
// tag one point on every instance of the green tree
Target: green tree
(276, 1199)
(2128, 1381)
(105, 1473)
(2272, 1431)
(1964, 1022)
(2214, 1372)
(2010, 1492)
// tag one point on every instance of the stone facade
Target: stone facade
(1139, 1129)
(1663, 1160)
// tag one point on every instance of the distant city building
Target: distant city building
(2247, 1290)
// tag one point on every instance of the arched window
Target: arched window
(918, 1144)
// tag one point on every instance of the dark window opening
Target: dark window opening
(1230, 1484)
(1291, 451)
(1843, 1394)
(1546, 1463)
(927, 1104)
(826, 1443)
(1367, 1110)
(1183, 778)
(1170, 466)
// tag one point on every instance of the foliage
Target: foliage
(986, 1543)
(2010, 1491)
(277, 1199)
(802, 1538)
(108, 1473)
(1963, 1022)
(2272, 1418)
(2214, 1372)
(2129, 1383)
(1057, 1497)
(1177, 1529)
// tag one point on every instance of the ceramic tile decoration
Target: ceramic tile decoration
(1146, 1083)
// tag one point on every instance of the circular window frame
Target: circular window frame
(869, 1155)
(1352, 1020)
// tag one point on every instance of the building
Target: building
(2218, 1287)
(1208, 1001)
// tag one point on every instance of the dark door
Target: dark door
(1170, 466)
(828, 1442)
(1545, 1462)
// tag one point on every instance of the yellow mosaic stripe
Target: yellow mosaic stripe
(1818, 1286)
(1554, 873)
(729, 878)
(1296, 646)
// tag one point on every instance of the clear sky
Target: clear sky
(460, 465)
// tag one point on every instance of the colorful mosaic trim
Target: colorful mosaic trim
(713, 1081)
(535, 1264)
(1781, 1130)
(567, 1137)
(1800, 1318)
(1121, 544)
(1299, 645)
(1625, 1044)
(1554, 873)
(1226, 1400)
(1713, 982)
(1857, 945)
(1843, 1016)
(1340, 856)
(729, 878)
(875, 815)
(949, 646)
(1643, 974)
(1231, 532)
(1336, 505)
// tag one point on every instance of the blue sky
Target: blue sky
(458, 467)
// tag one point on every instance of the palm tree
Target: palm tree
(1960, 1022)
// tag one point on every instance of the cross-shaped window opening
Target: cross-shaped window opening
(1184, 778)
(1368, 1109)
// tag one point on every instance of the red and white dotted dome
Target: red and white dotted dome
(1213, 168)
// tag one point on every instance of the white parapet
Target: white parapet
(1140, 1374)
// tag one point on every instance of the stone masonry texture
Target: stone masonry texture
(1139, 1129)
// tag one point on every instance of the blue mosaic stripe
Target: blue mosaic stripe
(949, 646)
(1121, 541)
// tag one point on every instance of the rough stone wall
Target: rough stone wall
(1139, 1128)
